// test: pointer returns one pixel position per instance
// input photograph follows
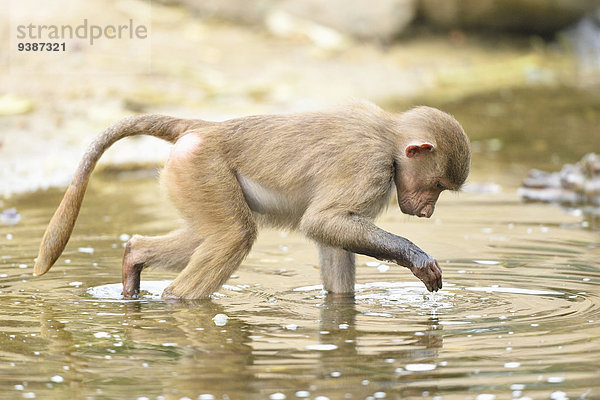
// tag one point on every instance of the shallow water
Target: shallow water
(519, 315)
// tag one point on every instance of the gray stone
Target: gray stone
(528, 16)
(365, 19)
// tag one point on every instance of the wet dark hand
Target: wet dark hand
(428, 271)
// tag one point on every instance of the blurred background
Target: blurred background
(522, 76)
(519, 316)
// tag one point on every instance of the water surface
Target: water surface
(519, 315)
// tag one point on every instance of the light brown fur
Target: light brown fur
(327, 174)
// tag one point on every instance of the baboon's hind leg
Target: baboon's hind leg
(205, 190)
(212, 263)
(169, 252)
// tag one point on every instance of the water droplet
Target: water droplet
(558, 395)
(57, 379)
(10, 216)
(383, 268)
(308, 288)
(419, 367)
(486, 262)
(512, 365)
(220, 319)
(321, 347)
(277, 396)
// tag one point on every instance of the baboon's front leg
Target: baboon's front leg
(337, 269)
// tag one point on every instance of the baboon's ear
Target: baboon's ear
(415, 150)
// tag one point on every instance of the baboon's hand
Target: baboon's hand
(428, 270)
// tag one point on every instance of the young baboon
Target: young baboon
(326, 174)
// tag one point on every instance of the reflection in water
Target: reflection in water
(519, 315)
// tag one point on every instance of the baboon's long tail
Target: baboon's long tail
(61, 225)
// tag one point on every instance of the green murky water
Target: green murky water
(519, 316)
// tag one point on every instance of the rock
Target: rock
(364, 19)
(530, 16)
(381, 20)
(575, 184)
(285, 25)
(585, 36)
